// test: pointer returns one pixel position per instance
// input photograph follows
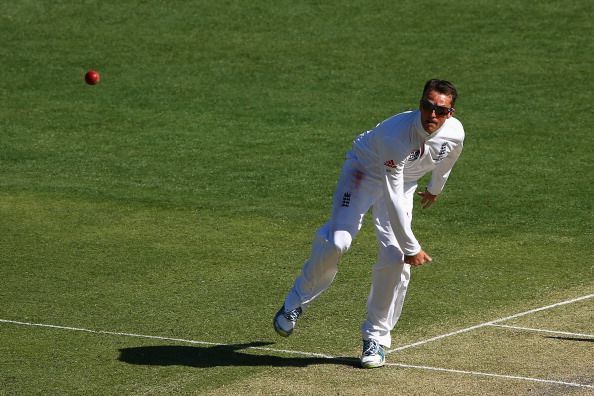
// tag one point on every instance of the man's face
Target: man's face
(435, 109)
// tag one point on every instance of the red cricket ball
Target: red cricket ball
(92, 77)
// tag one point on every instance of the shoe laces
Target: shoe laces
(370, 347)
(293, 315)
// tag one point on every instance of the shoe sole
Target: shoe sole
(277, 328)
(372, 365)
(280, 332)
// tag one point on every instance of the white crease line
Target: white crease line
(478, 373)
(478, 326)
(319, 355)
(107, 332)
(544, 331)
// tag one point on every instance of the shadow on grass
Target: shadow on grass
(572, 339)
(219, 355)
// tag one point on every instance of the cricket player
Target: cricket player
(381, 172)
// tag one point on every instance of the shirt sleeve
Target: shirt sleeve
(442, 171)
(395, 202)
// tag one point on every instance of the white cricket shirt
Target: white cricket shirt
(399, 150)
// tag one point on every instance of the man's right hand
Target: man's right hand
(418, 259)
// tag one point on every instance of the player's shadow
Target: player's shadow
(572, 339)
(219, 355)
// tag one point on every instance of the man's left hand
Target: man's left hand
(427, 199)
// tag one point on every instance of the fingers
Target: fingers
(427, 199)
(418, 259)
(425, 258)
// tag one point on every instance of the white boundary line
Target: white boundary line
(544, 331)
(490, 323)
(310, 354)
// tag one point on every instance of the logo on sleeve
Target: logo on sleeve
(442, 152)
(346, 199)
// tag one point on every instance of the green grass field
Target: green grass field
(177, 199)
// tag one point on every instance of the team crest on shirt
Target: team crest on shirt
(414, 155)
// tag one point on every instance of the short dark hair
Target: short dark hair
(441, 86)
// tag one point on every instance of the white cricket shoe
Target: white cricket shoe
(373, 354)
(284, 321)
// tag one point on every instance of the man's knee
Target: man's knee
(339, 241)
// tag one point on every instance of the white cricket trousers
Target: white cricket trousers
(355, 194)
